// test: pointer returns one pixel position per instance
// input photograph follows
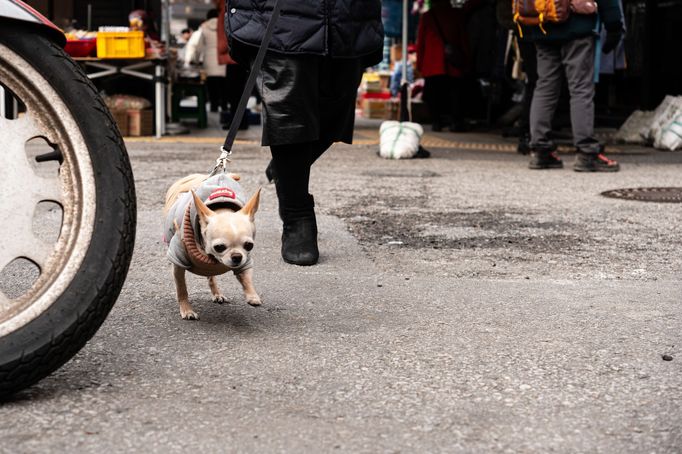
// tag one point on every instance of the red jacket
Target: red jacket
(441, 21)
(223, 48)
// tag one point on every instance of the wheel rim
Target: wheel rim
(24, 187)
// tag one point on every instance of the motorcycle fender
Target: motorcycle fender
(17, 10)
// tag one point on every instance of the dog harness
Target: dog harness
(182, 230)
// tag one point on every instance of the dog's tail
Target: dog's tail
(183, 185)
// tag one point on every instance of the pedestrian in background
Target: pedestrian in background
(569, 48)
(181, 42)
(203, 46)
(236, 75)
(309, 82)
(397, 73)
(529, 69)
(443, 60)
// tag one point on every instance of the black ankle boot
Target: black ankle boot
(299, 241)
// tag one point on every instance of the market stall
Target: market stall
(132, 51)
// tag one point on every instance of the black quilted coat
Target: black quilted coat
(336, 28)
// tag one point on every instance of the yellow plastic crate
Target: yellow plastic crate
(120, 44)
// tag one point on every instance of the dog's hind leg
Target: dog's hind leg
(215, 291)
(186, 310)
(246, 279)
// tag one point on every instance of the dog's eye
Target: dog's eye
(248, 245)
(219, 248)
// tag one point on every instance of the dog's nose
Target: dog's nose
(236, 258)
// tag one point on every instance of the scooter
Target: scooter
(67, 202)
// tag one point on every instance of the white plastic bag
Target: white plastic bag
(671, 136)
(399, 140)
(665, 114)
(635, 128)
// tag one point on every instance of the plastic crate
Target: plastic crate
(120, 45)
(80, 47)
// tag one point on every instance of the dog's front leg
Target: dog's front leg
(186, 310)
(215, 291)
(246, 279)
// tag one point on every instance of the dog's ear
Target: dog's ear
(252, 205)
(203, 211)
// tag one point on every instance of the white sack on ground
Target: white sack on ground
(399, 140)
(671, 137)
(665, 114)
(635, 128)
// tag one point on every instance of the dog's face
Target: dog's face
(228, 236)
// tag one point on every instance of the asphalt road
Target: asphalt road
(462, 304)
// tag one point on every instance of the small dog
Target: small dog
(209, 229)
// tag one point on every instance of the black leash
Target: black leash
(238, 114)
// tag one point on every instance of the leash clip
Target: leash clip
(221, 162)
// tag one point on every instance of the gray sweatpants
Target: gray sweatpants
(576, 59)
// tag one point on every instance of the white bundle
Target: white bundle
(635, 128)
(665, 115)
(399, 140)
(671, 137)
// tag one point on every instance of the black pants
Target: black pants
(217, 95)
(292, 163)
(235, 80)
(530, 67)
(443, 97)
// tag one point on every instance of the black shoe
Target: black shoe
(524, 144)
(436, 126)
(545, 160)
(597, 162)
(422, 153)
(299, 241)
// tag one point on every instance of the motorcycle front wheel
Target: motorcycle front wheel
(68, 208)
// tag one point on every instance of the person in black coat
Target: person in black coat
(308, 82)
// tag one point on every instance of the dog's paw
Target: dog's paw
(220, 299)
(189, 314)
(254, 300)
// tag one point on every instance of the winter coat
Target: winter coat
(205, 42)
(440, 22)
(335, 28)
(578, 25)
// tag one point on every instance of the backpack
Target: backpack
(537, 12)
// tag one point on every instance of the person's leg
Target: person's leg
(530, 68)
(222, 93)
(578, 59)
(213, 92)
(236, 77)
(291, 164)
(317, 149)
(457, 87)
(434, 87)
(543, 106)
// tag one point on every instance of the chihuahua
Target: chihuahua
(210, 230)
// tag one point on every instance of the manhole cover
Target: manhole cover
(665, 195)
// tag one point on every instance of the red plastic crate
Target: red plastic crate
(81, 47)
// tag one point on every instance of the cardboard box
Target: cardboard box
(121, 119)
(374, 108)
(141, 122)
(392, 110)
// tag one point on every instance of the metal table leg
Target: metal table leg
(160, 99)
